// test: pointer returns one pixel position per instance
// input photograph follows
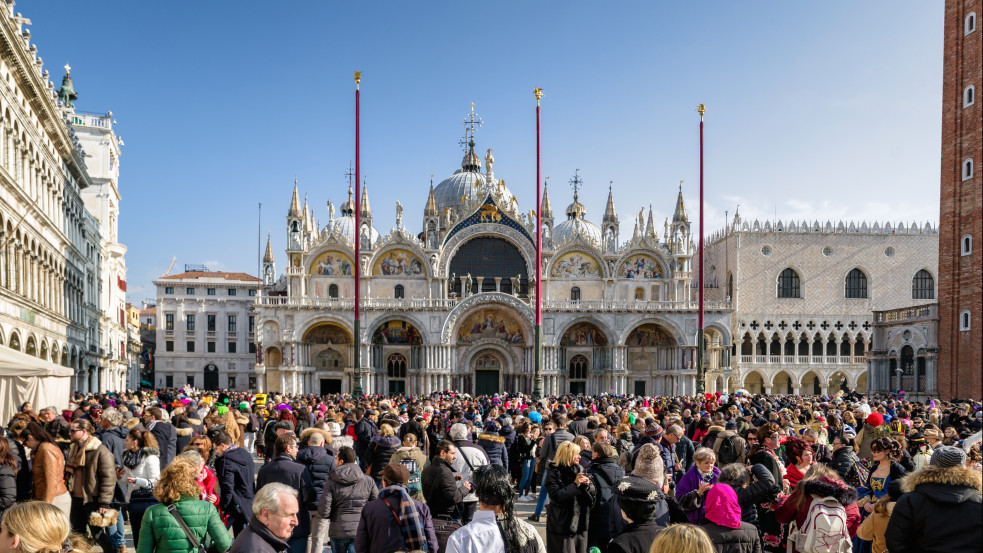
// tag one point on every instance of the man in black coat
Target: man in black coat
(365, 429)
(270, 526)
(234, 472)
(164, 432)
(286, 470)
(439, 482)
(319, 462)
(606, 473)
(413, 426)
(638, 500)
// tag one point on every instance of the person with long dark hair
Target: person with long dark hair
(8, 476)
(495, 528)
(48, 468)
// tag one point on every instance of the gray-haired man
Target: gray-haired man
(275, 509)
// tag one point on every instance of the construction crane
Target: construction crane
(171, 266)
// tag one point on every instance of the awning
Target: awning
(27, 378)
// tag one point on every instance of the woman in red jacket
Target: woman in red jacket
(801, 458)
(820, 481)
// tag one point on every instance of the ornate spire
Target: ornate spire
(268, 256)
(365, 210)
(308, 216)
(431, 209)
(650, 225)
(348, 208)
(546, 211)
(610, 215)
(576, 210)
(679, 216)
(294, 203)
(471, 163)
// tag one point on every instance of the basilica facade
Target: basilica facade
(451, 307)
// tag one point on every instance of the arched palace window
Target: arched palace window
(788, 284)
(396, 366)
(856, 284)
(489, 258)
(578, 367)
(923, 286)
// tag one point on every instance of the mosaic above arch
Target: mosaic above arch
(489, 323)
(332, 263)
(398, 263)
(575, 264)
(640, 266)
(650, 335)
(583, 334)
(327, 334)
(397, 332)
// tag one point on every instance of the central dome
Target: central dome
(468, 183)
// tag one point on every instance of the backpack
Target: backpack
(824, 530)
(413, 486)
(729, 447)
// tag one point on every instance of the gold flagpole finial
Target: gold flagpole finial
(358, 78)
(539, 94)
(702, 109)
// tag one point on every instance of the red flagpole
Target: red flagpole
(357, 387)
(700, 377)
(537, 390)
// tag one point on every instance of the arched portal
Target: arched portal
(652, 350)
(811, 384)
(489, 258)
(211, 377)
(782, 384)
(396, 372)
(330, 350)
(487, 366)
(754, 383)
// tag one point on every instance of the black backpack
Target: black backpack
(730, 448)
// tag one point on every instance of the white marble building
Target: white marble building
(450, 306)
(205, 330)
(804, 295)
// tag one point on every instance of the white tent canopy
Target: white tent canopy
(27, 378)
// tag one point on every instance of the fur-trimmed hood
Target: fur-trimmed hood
(307, 432)
(828, 487)
(949, 485)
(132, 423)
(492, 438)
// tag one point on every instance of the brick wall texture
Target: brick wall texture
(960, 370)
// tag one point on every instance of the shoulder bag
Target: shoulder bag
(196, 546)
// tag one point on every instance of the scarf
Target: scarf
(410, 523)
(132, 458)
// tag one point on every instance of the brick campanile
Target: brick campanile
(960, 371)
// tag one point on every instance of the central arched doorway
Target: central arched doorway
(211, 377)
(487, 366)
(329, 350)
(396, 371)
(578, 374)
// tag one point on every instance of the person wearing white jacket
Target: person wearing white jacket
(140, 472)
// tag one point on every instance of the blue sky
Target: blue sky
(815, 110)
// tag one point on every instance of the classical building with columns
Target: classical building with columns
(451, 306)
(807, 297)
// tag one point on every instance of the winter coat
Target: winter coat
(8, 487)
(684, 452)
(494, 446)
(940, 510)
(578, 427)
(570, 504)
(285, 470)
(115, 441)
(525, 448)
(733, 540)
(688, 496)
(25, 478)
(48, 472)
(161, 533)
(365, 430)
(762, 489)
(844, 459)
(872, 529)
(379, 531)
(166, 440)
(319, 462)
(475, 456)
(441, 490)
(635, 537)
(345, 494)
(234, 473)
(98, 474)
(551, 442)
(378, 453)
(146, 473)
(788, 509)
(257, 538)
(415, 428)
(185, 431)
(605, 473)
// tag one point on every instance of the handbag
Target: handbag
(196, 546)
(444, 527)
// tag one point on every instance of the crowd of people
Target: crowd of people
(259, 473)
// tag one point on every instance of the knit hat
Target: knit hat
(536, 417)
(731, 425)
(722, 507)
(948, 456)
(633, 490)
(875, 419)
(653, 430)
(849, 432)
(395, 473)
(491, 427)
(932, 433)
(243, 406)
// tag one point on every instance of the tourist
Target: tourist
(164, 432)
(874, 526)
(234, 473)
(414, 459)
(495, 528)
(819, 482)
(571, 494)
(605, 473)
(38, 527)
(526, 446)
(319, 461)
(763, 453)
(801, 456)
(694, 485)
(395, 521)
(555, 434)
(469, 457)
(91, 472)
(346, 491)
(8, 476)
(365, 430)
(177, 494)
(141, 470)
(48, 469)
(844, 456)
(638, 505)
(284, 469)
(274, 517)
(723, 524)
(682, 538)
(380, 451)
(885, 453)
(442, 492)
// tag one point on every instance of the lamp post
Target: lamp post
(700, 373)
(537, 382)
(357, 385)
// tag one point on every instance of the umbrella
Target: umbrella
(741, 391)
(146, 383)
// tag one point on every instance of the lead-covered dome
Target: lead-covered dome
(576, 224)
(468, 183)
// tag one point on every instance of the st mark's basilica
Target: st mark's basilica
(451, 306)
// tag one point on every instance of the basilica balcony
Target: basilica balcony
(632, 305)
(809, 360)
